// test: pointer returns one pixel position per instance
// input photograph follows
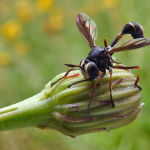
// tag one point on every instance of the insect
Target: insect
(100, 58)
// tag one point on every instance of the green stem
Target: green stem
(30, 112)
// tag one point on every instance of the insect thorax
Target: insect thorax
(100, 57)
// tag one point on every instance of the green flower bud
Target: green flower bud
(63, 109)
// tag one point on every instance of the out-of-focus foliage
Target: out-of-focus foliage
(38, 36)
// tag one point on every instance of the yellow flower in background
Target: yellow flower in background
(92, 8)
(21, 48)
(24, 11)
(5, 59)
(110, 3)
(11, 30)
(44, 5)
(55, 23)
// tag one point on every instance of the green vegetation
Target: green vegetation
(38, 36)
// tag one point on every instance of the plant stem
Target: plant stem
(29, 112)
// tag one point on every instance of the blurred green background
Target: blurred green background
(37, 37)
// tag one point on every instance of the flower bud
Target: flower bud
(64, 109)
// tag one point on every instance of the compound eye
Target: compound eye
(92, 70)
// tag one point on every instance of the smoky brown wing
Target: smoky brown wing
(87, 28)
(129, 45)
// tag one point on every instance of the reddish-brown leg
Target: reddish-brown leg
(105, 43)
(110, 88)
(132, 67)
(64, 75)
(92, 96)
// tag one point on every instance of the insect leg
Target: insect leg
(78, 82)
(110, 88)
(105, 43)
(132, 67)
(101, 76)
(69, 65)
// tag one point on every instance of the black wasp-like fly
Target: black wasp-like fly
(100, 58)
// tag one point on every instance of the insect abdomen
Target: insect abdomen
(133, 28)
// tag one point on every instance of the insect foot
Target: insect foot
(63, 109)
